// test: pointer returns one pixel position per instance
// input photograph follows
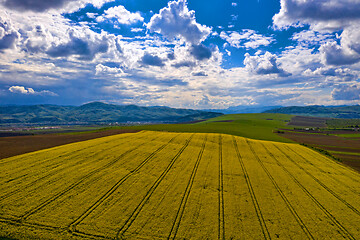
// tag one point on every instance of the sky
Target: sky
(199, 54)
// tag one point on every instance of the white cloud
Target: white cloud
(319, 14)
(85, 46)
(8, 35)
(91, 15)
(120, 15)
(264, 64)
(137, 29)
(334, 54)
(325, 15)
(60, 6)
(234, 4)
(24, 90)
(346, 92)
(100, 69)
(177, 21)
(247, 38)
(310, 37)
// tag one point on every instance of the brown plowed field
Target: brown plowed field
(305, 121)
(12, 146)
(331, 143)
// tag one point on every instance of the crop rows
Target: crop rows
(155, 185)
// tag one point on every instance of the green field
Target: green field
(158, 185)
(260, 126)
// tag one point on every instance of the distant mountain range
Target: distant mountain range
(244, 109)
(98, 113)
(321, 111)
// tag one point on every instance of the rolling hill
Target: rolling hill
(320, 111)
(97, 113)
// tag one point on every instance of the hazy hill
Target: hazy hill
(321, 111)
(96, 113)
(244, 109)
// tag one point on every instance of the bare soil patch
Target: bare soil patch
(330, 143)
(15, 145)
(304, 121)
(350, 160)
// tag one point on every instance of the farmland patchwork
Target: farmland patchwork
(157, 185)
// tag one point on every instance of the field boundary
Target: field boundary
(55, 171)
(323, 185)
(322, 208)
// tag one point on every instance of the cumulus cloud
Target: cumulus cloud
(247, 38)
(199, 74)
(82, 47)
(320, 14)
(184, 64)
(325, 15)
(35, 5)
(8, 35)
(101, 69)
(310, 37)
(45, 5)
(333, 75)
(24, 90)
(200, 52)
(264, 64)
(152, 60)
(120, 15)
(38, 40)
(346, 92)
(334, 54)
(348, 52)
(177, 21)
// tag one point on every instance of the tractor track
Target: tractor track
(255, 202)
(149, 193)
(344, 232)
(221, 224)
(73, 185)
(321, 183)
(282, 195)
(54, 172)
(72, 226)
(180, 212)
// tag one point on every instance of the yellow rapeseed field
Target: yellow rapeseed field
(156, 185)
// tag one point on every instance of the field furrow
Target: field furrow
(331, 186)
(134, 194)
(255, 202)
(184, 199)
(282, 194)
(83, 195)
(41, 179)
(161, 185)
(305, 204)
(54, 187)
(18, 172)
(332, 207)
(279, 219)
(200, 217)
(150, 192)
(221, 225)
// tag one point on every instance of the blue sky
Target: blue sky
(189, 54)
